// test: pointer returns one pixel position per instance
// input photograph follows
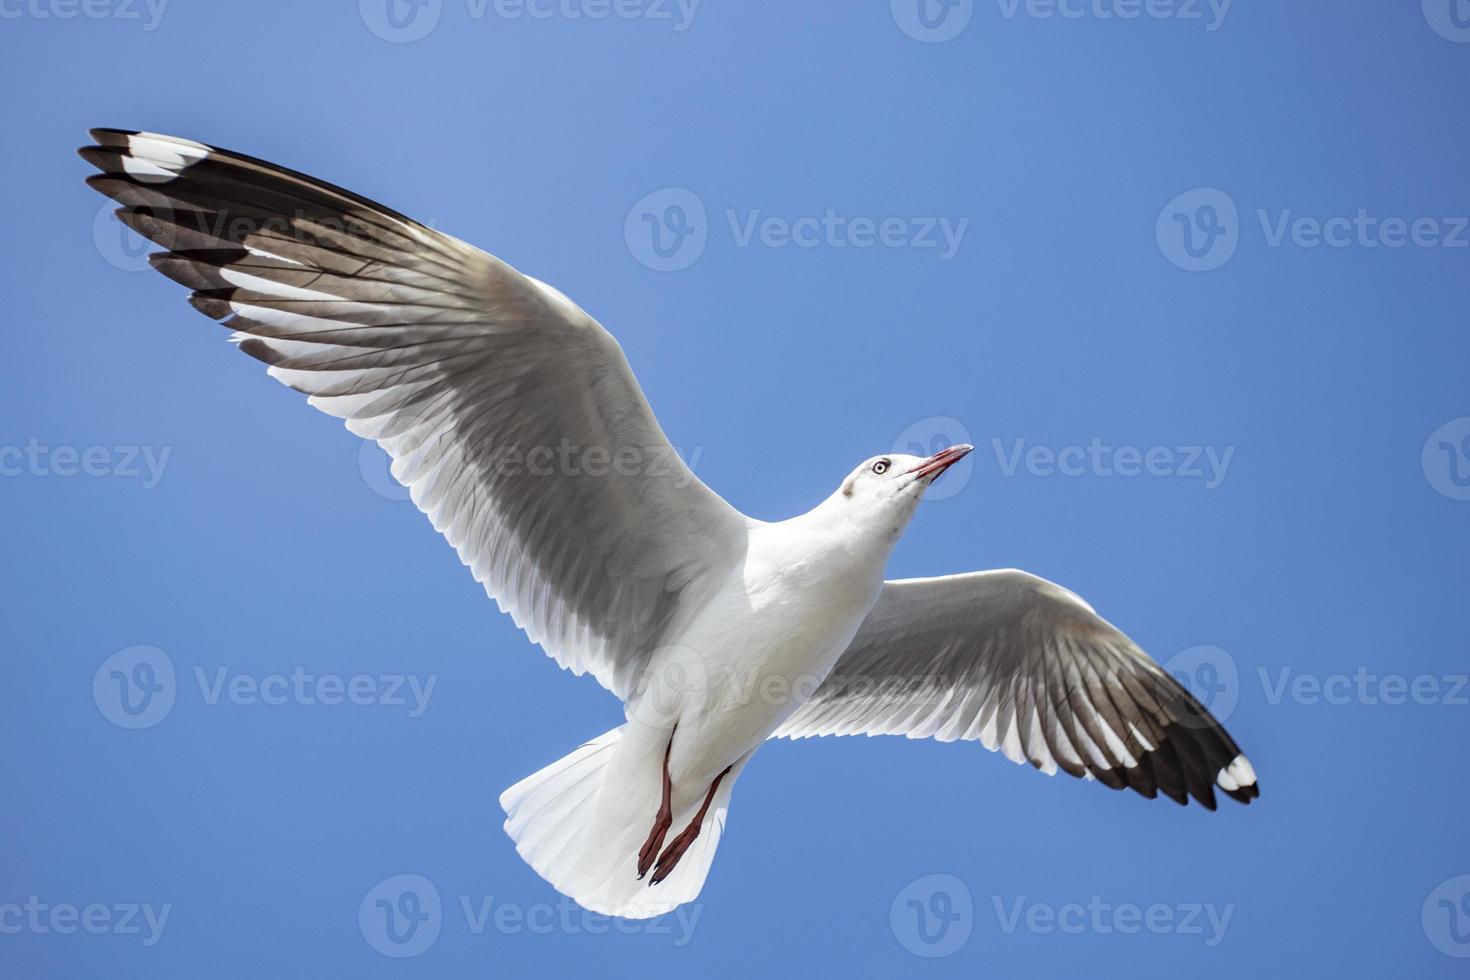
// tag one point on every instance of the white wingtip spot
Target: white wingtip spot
(169, 151)
(147, 170)
(158, 159)
(1239, 773)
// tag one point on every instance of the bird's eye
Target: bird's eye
(881, 467)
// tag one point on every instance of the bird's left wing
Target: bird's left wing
(1026, 667)
(510, 414)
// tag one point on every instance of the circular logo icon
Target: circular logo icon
(134, 688)
(932, 21)
(667, 230)
(1199, 230)
(1446, 459)
(401, 916)
(676, 681)
(1449, 18)
(404, 433)
(1210, 674)
(927, 437)
(400, 21)
(375, 467)
(1446, 917)
(933, 916)
(120, 246)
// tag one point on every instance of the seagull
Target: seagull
(516, 423)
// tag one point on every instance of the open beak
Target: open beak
(942, 460)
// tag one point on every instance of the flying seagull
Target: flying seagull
(717, 630)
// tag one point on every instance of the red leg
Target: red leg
(661, 822)
(671, 855)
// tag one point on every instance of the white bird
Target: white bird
(494, 394)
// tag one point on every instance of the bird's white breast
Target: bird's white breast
(766, 639)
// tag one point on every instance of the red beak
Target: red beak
(942, 460)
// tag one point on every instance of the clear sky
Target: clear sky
(1193, 281)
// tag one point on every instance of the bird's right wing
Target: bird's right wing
(510, 414)
(1025, 667)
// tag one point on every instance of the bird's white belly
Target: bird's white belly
(753, 655)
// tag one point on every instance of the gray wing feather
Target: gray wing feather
(1027, 668)
(468, 374)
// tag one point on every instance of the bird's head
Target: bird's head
(885, 490)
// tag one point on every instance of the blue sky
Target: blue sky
(1193, 281)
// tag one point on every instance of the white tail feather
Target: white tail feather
(585, 841)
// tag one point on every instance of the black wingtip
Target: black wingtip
(213, 303)
(1177, 795)
(111, 139)
(1245, 794)
(98, 156)
(101, 133)
(99, 182)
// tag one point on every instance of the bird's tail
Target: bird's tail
(581, 821)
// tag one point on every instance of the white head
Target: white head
(883, 492)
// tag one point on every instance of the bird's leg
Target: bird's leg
(680, 844)
(661, 822)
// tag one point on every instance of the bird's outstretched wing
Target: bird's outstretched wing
(1026, 667)
(510, 414)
